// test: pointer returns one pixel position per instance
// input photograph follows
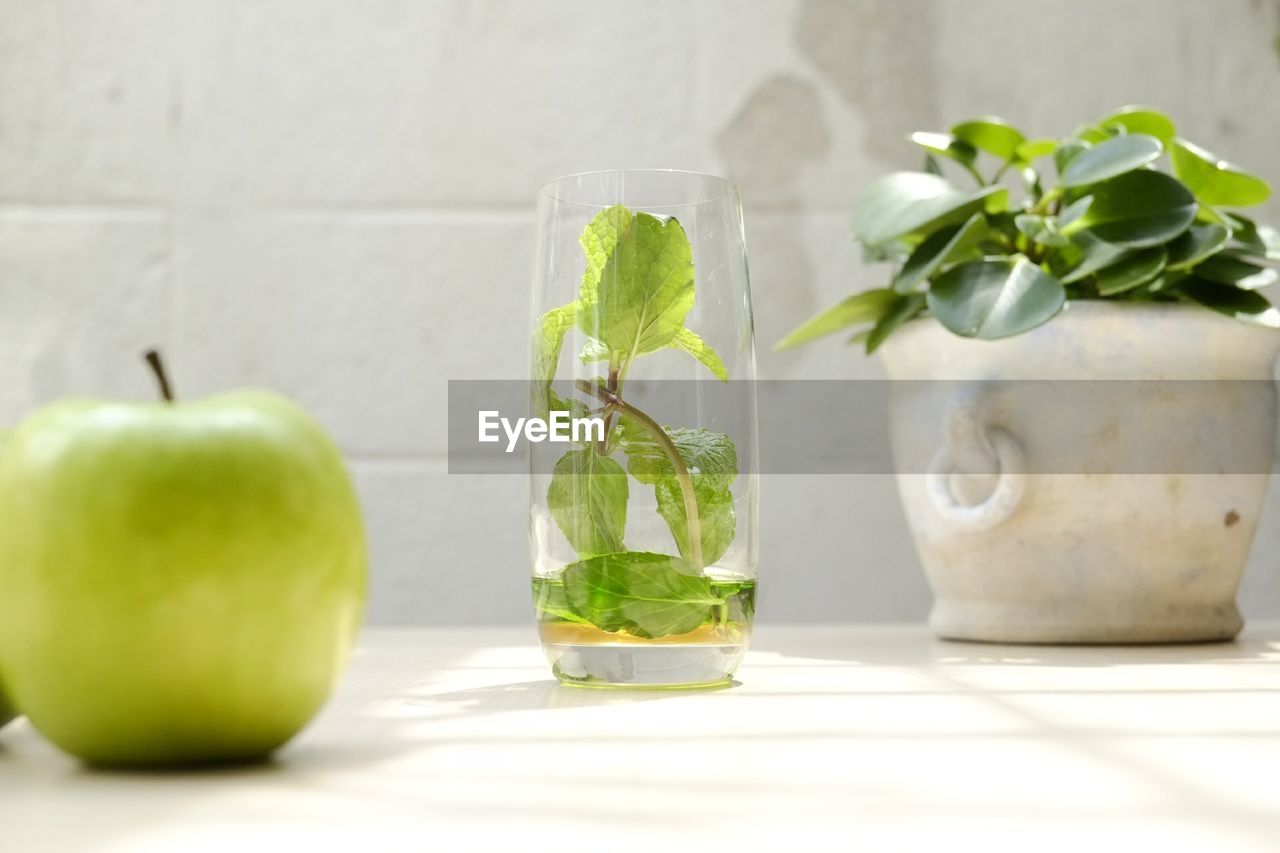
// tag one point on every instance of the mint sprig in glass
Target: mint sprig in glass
(643, 539)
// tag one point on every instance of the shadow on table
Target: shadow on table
(544, 694)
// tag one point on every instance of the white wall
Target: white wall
(334, 199)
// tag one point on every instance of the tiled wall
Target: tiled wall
(334, 199)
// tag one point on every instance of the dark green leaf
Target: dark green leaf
(990, 134)
(995, 298)
(1216, 181)
(903, 310)
(1242, 274)
(1198, 242)
(588, 500)
(1245, 305)
(1111, 158)
(1041, 229)
(1137, 119)
(1250, 239)
(1139, 209)
(941, 247)
(1092, 255)
(648, 595)
(865, 307)
(1134, 270)
(906, 204)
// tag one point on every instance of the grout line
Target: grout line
(406, 215)
(372, 215)
(54, 213)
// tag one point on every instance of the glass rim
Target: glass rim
(723, 188)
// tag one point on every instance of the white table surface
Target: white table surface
(873, 739)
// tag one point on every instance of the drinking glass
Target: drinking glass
(643, 518)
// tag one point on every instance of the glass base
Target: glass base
(646, 666)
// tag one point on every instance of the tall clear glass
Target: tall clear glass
(643, 524)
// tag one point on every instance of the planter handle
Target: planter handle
(974, 450)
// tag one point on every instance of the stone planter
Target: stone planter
(1023, 542)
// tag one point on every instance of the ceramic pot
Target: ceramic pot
(1035, 514)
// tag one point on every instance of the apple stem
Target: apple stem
(156, 363)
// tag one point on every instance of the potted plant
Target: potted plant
(1040, 511)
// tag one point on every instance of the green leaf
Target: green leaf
(1111, 158)
(1197, 243)
(990, 134)
(1139, 119)
(1139, 209)
(1216, 181)
(865, 307)
(1234, 271)
(593, 350)
(904, 309)
(645, 288)
(1066, 153)
(1246, 305)
(1134, 270)
(946, 145)
(1087, 256)
(1041, 229)
(701, 350)
(908, 204)
(598, 241)
(995, 298)
(547, 343)
(1035, 149)
(645, 594)
(1092, 134)
(941, 247)
(1261, 242)
(588, 499)
(712, 462)
(549, 599)
(1074, 211)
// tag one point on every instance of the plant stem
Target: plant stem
(1045, 206)
(659, 435)
(156, 363)
(613, 384)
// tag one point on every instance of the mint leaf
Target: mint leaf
(645, 288)
(593, 350)
(691, 343)
(684, 339)
(547, 342)
(588, 499)
(646, 594)
(598, 241)
(712, 461)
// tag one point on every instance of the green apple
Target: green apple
(6, 707)
(180, 583)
